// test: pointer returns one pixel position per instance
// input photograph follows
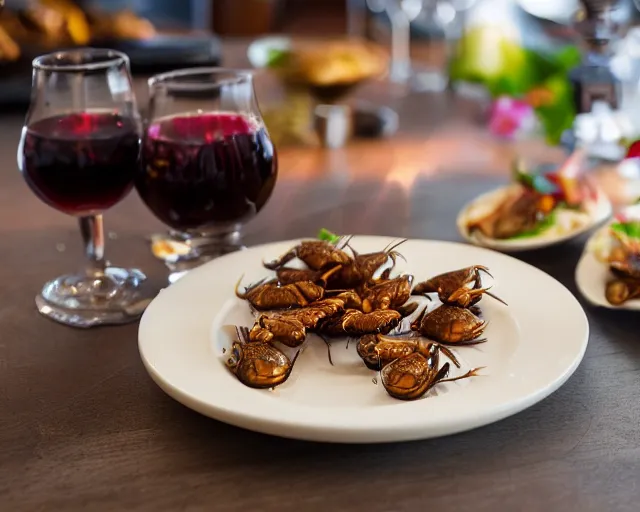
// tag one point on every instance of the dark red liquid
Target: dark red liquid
(206, 170)
(80, 163)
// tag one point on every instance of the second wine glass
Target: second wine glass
(208, 165)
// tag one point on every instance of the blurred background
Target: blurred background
(559, 72)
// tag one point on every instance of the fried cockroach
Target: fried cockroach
(377, 350)
(357, 323)
(272, 295)
(363, 267)
(457, 288)
(259, 364)
(316, 254)
(284, 329)
(450, 324)
(389, 294)
(411, 376)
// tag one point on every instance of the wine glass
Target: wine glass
(79, 153)
(446, 16)
(208, 165)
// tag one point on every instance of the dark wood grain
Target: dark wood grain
(82, 426)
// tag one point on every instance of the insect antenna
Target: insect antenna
(344, 242)
(388, 249)
(496, 297)
(328, 343)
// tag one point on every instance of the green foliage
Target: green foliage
(277, 57)
(631, 229)
(507, 69)
(328, 236)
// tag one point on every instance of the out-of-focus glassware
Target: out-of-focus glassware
(208, 165)
(79, 153)
(444, 16)
(605, 91)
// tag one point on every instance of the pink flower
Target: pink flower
(510, 117)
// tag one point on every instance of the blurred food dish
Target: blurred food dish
(328, 69)
(43, 26)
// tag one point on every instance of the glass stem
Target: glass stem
(92, 230)
(400, 43)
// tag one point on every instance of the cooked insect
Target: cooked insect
(270, 295)
(389, 294)
(408, 309)
(356, 298)
(287, 330)
(621, 290)
(351, 299)
(287, 275)
(411, 376)
(312, 315)
(624, 260)
(450, 324)
(286, 324)
(377, 350)
(458, 288)
(332, 327)
(259, 364)
(357, 323)
(289, 327)
(316, 254)
(363, 267)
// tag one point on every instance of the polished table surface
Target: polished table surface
(83, 427)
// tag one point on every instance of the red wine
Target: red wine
(204, 170)
(82, 163)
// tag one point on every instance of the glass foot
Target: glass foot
(182, 252)
(115, 296)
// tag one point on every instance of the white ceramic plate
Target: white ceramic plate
(186, 329)
(601, 212)
(592, 275)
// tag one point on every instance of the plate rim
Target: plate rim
(340, 434)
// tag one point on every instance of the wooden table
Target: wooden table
(84, 428)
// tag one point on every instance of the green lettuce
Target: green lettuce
(630, 229)
(328, 236)
(277, 57)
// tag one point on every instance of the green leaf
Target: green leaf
(506, 85)
(277, 57)
(560, 114)
(630, 229)
(521, 174)
(328, 236)
(540, 228)
(568, 57)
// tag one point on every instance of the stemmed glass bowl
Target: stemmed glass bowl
(79, 153)
(208, 165)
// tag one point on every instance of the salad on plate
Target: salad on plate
(540, 207)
